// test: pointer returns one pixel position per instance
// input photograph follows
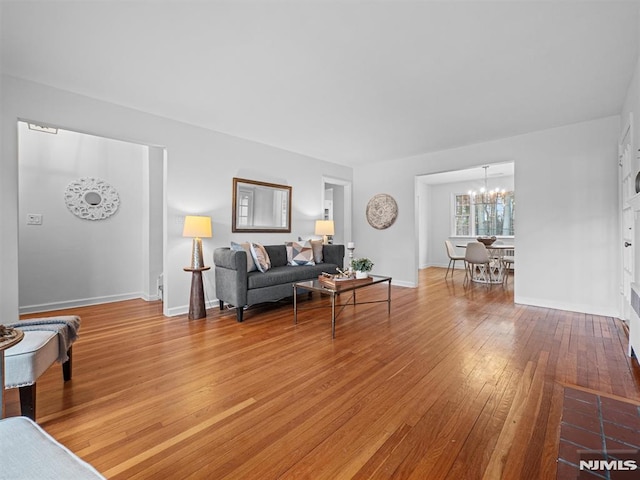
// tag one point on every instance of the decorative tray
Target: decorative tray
(8, 335)
(340, 283)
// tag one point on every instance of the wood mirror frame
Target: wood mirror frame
(260, 207)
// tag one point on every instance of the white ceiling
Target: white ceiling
(346, 81)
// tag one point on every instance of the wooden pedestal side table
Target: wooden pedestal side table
(8, 338)
(196, 302)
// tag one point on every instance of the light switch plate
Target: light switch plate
(34, 219)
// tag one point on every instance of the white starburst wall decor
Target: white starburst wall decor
(91, 198)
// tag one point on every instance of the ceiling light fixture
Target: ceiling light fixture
(485, 195)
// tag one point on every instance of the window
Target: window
(245, 207)
(463, 215)
(485, 215)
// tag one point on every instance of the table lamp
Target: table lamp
(197, 227)
(325, 228)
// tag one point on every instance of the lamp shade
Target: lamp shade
(325, 227)
(197, 226)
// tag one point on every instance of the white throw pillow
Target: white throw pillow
(246, 246)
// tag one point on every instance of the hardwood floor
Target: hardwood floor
(456, 383)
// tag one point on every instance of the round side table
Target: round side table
(8, 340)
(196, 301)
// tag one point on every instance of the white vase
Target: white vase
(360, 274)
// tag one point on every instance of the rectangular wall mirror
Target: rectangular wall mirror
(260, 207)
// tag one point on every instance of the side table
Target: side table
(11, 337)
(196, 302)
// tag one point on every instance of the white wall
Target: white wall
(567, 222)
(565, 248)
(69, 261)
(423, 203)
(153, 224)
(199, 170)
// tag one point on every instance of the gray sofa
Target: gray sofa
(239, 288)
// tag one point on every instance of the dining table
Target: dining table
(497, 267)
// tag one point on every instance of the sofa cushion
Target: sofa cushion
(277, 254)
(246, 246)
(261, 257)
(299, 254)
(288, 274)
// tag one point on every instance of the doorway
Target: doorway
(68, 258)
(437, 219)
(336, 206)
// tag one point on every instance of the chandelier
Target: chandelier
(485, 195)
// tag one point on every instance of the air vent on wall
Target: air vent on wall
(42, 128)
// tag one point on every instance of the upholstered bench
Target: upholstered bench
(38, 350)
(28, 452)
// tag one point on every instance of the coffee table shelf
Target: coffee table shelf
(333, 290)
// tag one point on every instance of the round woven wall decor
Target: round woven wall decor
(382, 211)
(91, 198)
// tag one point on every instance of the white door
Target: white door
(628, 169)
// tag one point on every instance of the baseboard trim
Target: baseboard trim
(81, 302)
(150, 298)
(402, 283)
(184, 309)
(569, 307)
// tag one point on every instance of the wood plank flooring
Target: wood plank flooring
(458, 382)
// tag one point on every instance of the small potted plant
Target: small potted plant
(362, 267)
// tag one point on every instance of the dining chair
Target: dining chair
(453, 257)
(508, 261)
(477, 257)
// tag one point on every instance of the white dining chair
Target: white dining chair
(508, 261)
(453, 257)
(478, 259)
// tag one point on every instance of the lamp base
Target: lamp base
(196, 254)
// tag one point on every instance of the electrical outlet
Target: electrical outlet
(34, 219)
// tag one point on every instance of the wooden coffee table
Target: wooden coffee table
(337, 288)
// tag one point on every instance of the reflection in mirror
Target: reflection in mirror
(260, 207)
(93, 198)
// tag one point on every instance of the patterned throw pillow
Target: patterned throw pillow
(316, 245)
(299, 253)
(251, 265)
(261, 257)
